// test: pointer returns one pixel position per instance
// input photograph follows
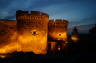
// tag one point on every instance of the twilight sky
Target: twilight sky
(77, 12)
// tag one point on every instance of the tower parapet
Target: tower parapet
(34, 19)
(27, 15)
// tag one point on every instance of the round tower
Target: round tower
(58, 29)
(58, 33)
(32, 31)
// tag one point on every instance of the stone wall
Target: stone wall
(32, 31)
(58, 29)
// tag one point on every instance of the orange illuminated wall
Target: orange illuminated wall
(8, 36)
(32, 31)
(58, 29)
(29, 32)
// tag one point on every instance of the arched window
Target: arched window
(34, 33)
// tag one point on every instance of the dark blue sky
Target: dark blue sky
(78, 12)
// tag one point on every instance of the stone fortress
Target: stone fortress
(33, 32)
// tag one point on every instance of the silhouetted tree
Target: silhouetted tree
(75, 31)
(93, 30)
(74, 35)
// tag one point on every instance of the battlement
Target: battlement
(8, 22)
(58, 23)
(32, 13)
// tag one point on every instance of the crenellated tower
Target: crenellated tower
(57, 34)
(32, 31)
(58, 29)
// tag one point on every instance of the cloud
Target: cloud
(64, 9)
(5, 3)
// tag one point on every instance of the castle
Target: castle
(32, 32)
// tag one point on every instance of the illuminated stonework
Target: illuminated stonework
(30, 32)
(57, 32)
(58, 29)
